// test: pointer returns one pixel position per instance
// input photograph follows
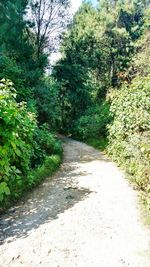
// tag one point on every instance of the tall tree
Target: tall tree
(49, 18)
(17, 57)
(81, 54)
(12, 24)
(96, 52)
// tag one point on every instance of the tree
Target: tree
(96, 52)
(12, 25)
(49, 18)
(17, 51)
(141, 61)
(123, 21)
(85, 54)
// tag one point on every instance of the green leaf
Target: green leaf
(4, 190)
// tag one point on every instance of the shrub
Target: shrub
(129, 133)
(47, 168)
(93, 123)
(45, 144)
(16, 134)
(28, 153)
(46, 95)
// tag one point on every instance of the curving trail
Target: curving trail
(85, 217)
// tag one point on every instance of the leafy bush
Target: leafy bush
(50, 164)
(93, 123)
(129, 133)
(23, 147)
(44, 144)
(16, 135)
(10, 70)
(46, 95)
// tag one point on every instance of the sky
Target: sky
(76, 4)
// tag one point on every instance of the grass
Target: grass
(36, 176)
(98, 143)
(49, 166)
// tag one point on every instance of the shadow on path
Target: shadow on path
(42, 205)
(51, 198)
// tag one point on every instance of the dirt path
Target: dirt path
(85, 217)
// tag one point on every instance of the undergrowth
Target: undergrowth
(28, 152)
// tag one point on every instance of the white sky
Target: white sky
(75, 5)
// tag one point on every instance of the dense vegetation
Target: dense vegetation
(29, 113)
(104, 83)
(99, 91)
(28, 152)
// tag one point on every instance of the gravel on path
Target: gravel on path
(86, 216)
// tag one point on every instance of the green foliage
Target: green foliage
(45, 170)
(105, 56)
(129, 134)
(10, 70)
(16, 134)
(131, 108)
(96, 52)
(47, 102)
(100, 143)
(141, 61)
(44, 144)
(18, 61)
(84, 52)
(104, 82)
(93, 123)
(23, 146)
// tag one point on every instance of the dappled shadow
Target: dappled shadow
(53, 197)
(43, 205)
